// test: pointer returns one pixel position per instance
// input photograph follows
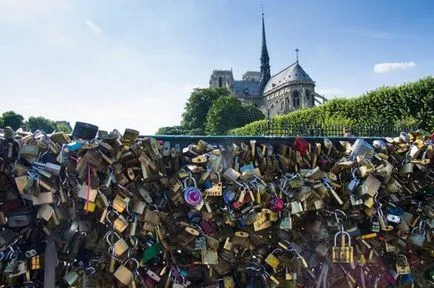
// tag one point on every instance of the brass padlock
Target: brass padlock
(119, 224)
(120, 202)
(343, 253)
(228, 282)
(123, 274)
(272, 260)
(402, 266)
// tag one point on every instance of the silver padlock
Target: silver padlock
(354, 182)
(417, 236)
(71, 277)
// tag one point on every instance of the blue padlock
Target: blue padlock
(229, 196)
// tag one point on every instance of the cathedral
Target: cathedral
(286, 91)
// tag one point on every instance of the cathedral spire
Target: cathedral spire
(265, 59)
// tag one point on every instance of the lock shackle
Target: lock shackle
(401, 256)
(109, 214)
(218, 177)
(191, 178)
(134, 241)
(276, 250)
(418, 228)
(136, 268)
(108, 234)
(344, 233)
(90, 270)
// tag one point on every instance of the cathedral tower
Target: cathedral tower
(265, 60)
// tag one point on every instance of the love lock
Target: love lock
(123, 274)
(417, 236)
(402, 266)
(192, 195)
(272, 260)
(343, 253)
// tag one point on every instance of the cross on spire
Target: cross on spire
(296, 54)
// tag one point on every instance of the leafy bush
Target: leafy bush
(406, 105)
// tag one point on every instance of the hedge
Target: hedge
(410, 104)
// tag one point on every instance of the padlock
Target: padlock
(120, 224)
(192, 195)
(354, 182)
(124, 274)
(285, 222)
(120, 203)
(402, 266)
(296, 207)
(216, 189)
(272, 260)
(71, 277)
(228, 282)
(417, 236)
(120, 246)
(344, 252)
(375, 226)
(406, 169)
(209, 257)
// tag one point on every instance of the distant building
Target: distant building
(288, 90)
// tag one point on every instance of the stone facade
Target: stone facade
(287, 91)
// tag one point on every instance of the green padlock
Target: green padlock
(151, 252)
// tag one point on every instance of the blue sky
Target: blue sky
(132, 64)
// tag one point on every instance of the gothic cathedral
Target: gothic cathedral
(286, 91)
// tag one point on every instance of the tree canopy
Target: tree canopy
(227, 113)
(12, 119)
(41, 123)
(198, 105)
(171, 130)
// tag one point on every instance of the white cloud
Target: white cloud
(389, 67)
(94, 28)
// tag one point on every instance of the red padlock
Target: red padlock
(276, 204)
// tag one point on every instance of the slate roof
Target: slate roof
(291, 74)
(246, 88)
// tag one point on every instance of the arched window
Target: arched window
(287, 102)
(220, 82)
(296, 99)
(307, 96)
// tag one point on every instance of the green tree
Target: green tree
(198, 105)
(12, 119)
(41, 123)
(1, 122)
(63, 128)
(227, 113)
(171, 130)
(251, 113)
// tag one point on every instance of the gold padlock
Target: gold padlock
(272, 260)
(120, 224)
(402, 266)
(120, 203)
(343, 253)
(123, 274)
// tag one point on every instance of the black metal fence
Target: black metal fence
(271, 128)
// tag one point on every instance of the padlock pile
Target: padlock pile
(102, 209)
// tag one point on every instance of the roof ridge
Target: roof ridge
(284, 69)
